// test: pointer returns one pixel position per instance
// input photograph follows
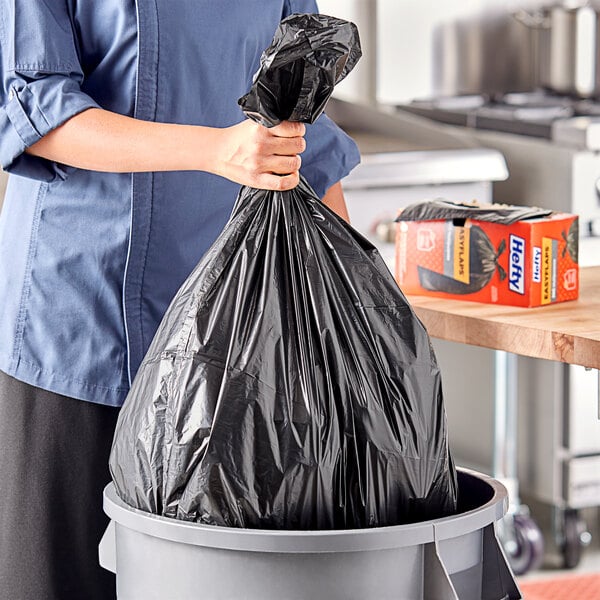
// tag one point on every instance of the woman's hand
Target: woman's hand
(260, 157)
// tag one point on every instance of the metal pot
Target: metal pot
(567, 41)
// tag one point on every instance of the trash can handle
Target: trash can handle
(107, 550)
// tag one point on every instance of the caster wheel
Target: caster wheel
(575, 537)
(525, 549)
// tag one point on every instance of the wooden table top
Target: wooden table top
(567, 332)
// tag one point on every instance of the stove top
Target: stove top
(531, 114)
(539, 176)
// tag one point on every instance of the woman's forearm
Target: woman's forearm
(334, 199)
(100, 140)
(247, 153)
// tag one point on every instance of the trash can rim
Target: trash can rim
(344, 540)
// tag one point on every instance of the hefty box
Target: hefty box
(502, 254)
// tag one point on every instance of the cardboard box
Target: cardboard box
(501, 254)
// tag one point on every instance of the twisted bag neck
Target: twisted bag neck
(309, 55)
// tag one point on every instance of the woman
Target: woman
(120, 127)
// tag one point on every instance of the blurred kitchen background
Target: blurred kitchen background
(426, 48)
(495, 101)
(492, 100)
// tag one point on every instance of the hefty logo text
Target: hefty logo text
(537, 264)
(516, 264)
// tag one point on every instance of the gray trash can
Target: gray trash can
(456, 557)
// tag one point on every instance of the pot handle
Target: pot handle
(532, 20)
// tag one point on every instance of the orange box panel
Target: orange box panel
(528, 263)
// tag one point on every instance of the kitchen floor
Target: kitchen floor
(590, 563)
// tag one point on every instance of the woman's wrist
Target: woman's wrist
(200, 148)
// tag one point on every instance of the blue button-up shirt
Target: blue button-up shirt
(89, 261)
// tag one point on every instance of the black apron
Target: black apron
(53, 466)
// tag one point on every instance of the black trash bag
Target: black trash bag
(433, 210)
(483, 263)
(572, 241)
(290, 385)
(309, 55)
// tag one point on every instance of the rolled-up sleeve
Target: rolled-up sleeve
(330, 154)
(40, 81)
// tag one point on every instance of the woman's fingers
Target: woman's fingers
(287, 129)
(281, 165)
(261, 157)
(284, 146)
(268, 181)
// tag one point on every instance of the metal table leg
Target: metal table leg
(505, 424)
(519, 534)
